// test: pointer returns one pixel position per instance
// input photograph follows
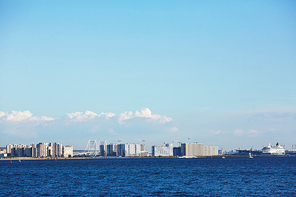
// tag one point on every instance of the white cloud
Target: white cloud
(108, 115)
(253, 131)
(144, 113)
(19, 125)
(21, 116)
(88, 115)
(216, 132)
(2, 114)
(238, 132)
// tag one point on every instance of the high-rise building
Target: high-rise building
(58, 149)
(121, 148)
(166, 150)
(54, 149)
(112, 150)
(177, 151)
(131, 150)
(198, 149)
(142, 147)
(8, 148)
(30, 151)
(103, 149)
(138, 149)
(42, 150)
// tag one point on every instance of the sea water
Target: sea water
(232, 176)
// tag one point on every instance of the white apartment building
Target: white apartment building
(68, 151)
(129, 150)
(166, 150)
(54, 149)
(42, 149)
(8, 148)
(198, 149)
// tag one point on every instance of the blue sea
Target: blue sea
(233, 176)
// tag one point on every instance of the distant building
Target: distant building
(103, 149)
(17, 150)
(142, 147)
(166, 150)
(112, 150)
(177, 151)
(22, 150)
(42, 150)
(130, 150)
(30, 151)
(2, 150)
(121, 149)
(198, 149)
(39, 150)
(3, 155)
(144, 153)
(8, 148)
(68, 151)
(54, 149)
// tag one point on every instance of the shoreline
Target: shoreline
(75, 158)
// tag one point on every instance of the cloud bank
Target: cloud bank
(21, 123)
(19, 116)
(87, 116)
(84, 124)
(144, 113)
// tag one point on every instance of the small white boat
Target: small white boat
(223, 156)
(187, 157)
(250, 155)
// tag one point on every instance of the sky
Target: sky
(222, 73)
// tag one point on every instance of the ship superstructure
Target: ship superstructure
(273, 150)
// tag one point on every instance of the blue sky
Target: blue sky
(220, 73)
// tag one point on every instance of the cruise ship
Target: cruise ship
(273, 150)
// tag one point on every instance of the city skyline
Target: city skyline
(103, 149)
(219, 73)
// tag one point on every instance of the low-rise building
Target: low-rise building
(3, 155)
(2, 150)
(68, 151)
